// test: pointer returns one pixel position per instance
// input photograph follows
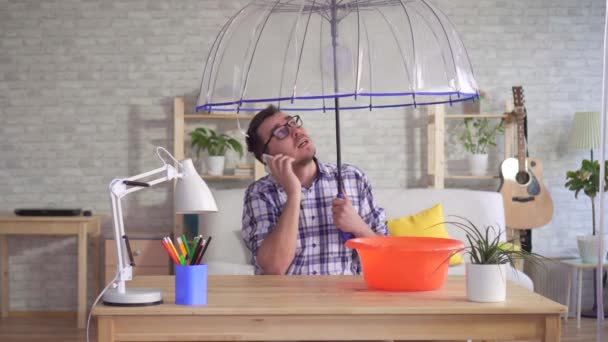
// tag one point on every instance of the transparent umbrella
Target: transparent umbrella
(327, 55)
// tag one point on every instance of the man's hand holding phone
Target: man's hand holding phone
(281, 168)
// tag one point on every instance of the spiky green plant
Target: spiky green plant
(206, 139)
(486, 250)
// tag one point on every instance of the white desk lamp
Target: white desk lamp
(191, 196)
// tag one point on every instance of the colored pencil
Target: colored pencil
(199, 259)
(169, 251)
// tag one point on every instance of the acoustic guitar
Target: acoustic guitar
(527, 202)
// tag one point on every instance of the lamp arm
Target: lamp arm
(118, 189)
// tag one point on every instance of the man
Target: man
(292, 218)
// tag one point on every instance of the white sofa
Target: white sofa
(227, 253)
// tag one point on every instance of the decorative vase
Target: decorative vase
(486, 283)
(478, 164)
(215, 165)
(588, 247)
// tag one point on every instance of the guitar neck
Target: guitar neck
(521, 145)
(520, 114)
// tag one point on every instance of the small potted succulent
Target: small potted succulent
(216, 145)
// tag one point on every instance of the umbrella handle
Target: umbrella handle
(344, 235)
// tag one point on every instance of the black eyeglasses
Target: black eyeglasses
(283, 131)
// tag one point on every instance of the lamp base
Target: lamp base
(133, 297)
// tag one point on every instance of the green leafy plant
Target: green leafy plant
(587, 179)
(486, 248)
(477, 135)
(206, 139)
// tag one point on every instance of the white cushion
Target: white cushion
(227, 253)
(482, 208)
(225, 227)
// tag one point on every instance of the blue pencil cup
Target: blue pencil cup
(191, 285)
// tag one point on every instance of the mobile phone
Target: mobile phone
(266, 158)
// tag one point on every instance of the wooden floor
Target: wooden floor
(62, 328)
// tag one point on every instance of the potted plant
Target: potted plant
(477, 136)
(486, 271)
(216, 145)
(587, 179)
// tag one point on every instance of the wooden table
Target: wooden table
(579, 266)
(80, 226)
(266, 308)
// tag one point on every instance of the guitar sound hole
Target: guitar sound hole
(522, 177)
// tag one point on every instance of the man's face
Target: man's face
(296, 143)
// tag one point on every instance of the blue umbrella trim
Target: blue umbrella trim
(236, 105)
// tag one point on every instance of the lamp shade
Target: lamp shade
(192, 195)
(585, 132)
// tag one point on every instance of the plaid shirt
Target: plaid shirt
(319, 248)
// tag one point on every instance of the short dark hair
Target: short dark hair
(254, 141)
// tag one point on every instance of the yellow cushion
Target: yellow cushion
(427, 223)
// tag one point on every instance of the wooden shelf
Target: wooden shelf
(218, 116)
(226, 177)
(479, 116)
(180, 122)
(436, 160)
(472, 177)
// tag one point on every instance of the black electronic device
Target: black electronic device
(48, 212)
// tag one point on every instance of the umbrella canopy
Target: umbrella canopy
(336, 54)
(303, 54)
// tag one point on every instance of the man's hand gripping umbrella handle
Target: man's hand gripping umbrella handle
(344, 235)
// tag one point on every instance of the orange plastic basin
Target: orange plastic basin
(399, 263)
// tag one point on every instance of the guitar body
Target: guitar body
(526, 200)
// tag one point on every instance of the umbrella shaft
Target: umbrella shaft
(339, 161)
(334, 44)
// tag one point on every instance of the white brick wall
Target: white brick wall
(86, 92)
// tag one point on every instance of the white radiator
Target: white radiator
(551, 280)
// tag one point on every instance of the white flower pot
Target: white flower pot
(588, 247)
(215, 165)
(478, 164)
(486, 283)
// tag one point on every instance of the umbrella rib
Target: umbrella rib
(218, 40)
(213, 51)
(449, 43)
(464, 48)
(358, 78)
(253, 54)
(415, 79)
(321, 63)
(295, 81)
(388, 23)
(369, 56)
(436, 39)
(207, 64)
(293, 29)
